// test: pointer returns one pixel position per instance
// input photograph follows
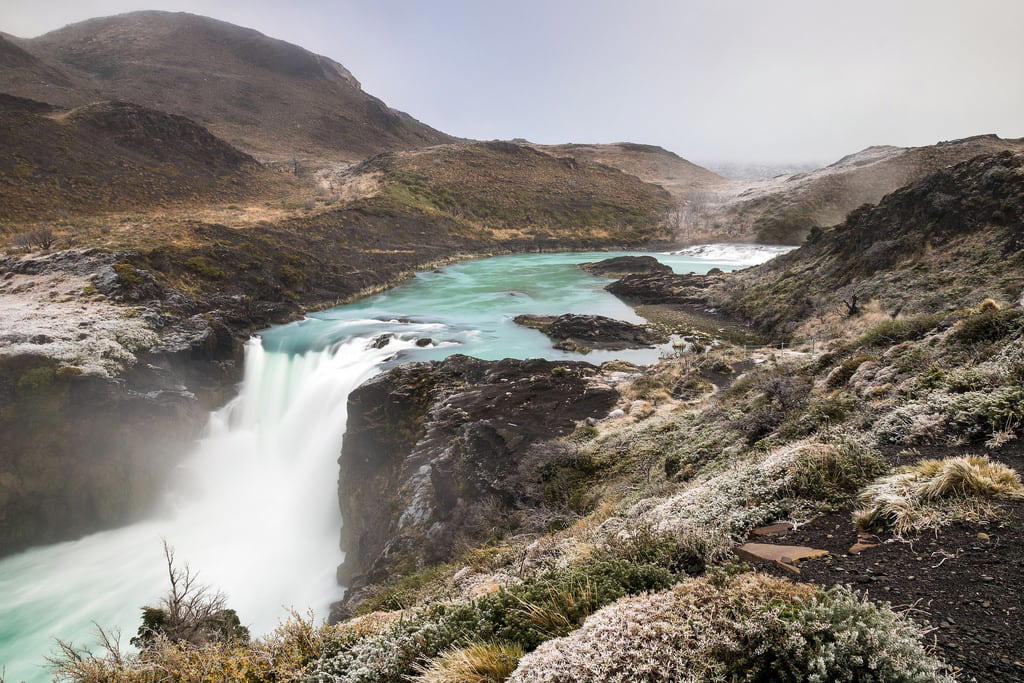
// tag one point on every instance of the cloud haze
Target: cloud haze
(782, 81)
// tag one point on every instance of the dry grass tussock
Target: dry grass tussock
(477, 663)
(933, 492)
(280, 656)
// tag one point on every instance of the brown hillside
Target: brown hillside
(942, 243)
(650, 163)
(263, 95)
(500, 187)
(110, 155)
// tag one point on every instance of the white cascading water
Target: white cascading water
(261, 518)
(255, 511)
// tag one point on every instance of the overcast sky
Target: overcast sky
(717, 80)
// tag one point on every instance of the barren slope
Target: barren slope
(266, 96)
(111, 155)
(650, 163)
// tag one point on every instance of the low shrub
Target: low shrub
(522, 615)
(978, 413)
(844, 371)
(821, 412)
(834, 471)
(892, 332)
(988, 325)
(933, 492)
(748, 627)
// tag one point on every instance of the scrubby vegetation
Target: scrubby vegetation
(934, 492)
(664, 493)
(742, 628)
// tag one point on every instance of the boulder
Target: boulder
(663, 288)
(785, 556)
(584, 332)
(619, 266)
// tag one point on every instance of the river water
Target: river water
(254, 505)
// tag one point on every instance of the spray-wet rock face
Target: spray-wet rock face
(432, 453)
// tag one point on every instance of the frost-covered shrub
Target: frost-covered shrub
(977, 413)
(933, 492)
(720, 506)
(871, 376)
(524, 615)
(747, 628)
(972, 414)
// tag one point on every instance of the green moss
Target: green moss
(37, 379)
(404, 591)
(127, 274)
(200, 266)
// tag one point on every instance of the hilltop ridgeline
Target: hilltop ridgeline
(266, 96)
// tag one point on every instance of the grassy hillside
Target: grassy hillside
(510, 191)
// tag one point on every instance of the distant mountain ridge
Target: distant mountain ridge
(783, 210)
(649, 163)
(263, 95)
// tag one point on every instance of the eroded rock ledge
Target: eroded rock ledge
(434, 456)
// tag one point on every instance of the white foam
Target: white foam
(733, 253)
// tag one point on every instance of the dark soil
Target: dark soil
(966, 588)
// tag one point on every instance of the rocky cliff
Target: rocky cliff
(437, 457)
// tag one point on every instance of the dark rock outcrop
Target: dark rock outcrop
(84, 450)
(85, 453)
(619, 266)
(662, 288)
(585, 332)
(432, 455)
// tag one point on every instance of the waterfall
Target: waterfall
(253, 509)
(254, 506)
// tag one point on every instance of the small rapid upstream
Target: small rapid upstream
(254, 505)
